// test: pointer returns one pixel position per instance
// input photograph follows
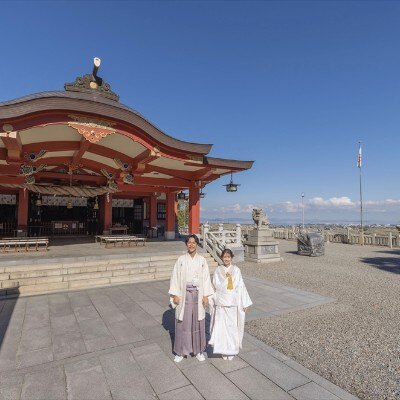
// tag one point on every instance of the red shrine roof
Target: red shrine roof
(86, 133)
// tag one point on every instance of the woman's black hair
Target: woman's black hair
(227, 251)
(194, 237)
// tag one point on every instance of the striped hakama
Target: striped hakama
(190, 334)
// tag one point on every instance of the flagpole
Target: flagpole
(359, 162)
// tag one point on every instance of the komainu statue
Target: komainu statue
(259, 218)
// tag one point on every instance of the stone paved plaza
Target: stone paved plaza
(115, 343)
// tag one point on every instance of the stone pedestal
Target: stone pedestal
(261, 247)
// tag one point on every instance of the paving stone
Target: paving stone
(166, 344)
(58, 298)
(284, 376)
(185, 393)
(10, 392)
(129, 306)
(125, 378)
(47, 384)
(60, 309)
(35, 339)
(93, 328)
(69, 344)
(134, 293)
(161, 372)
(35, 357)
(143, 343)
(79, 299)
(36, 320)
(124, 332)
(85, 312)
(63, 324)
(141, 319)
(37, 303)
(152, 308)
(257, 386)
(10, 378)
(8, 354)
(312, 391)
(336, 390)
(263, 346)
(86, 380)
(211, 383)
(107, 309)
(247, 346)
(153, 332)
(117, 296)
(100, 343)
(226, 366)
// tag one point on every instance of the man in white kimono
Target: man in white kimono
(228, 307)
(189, 290)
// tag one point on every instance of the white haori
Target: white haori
(226, 309)
(196, 270)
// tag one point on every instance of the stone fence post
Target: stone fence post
(238, 235)
(390, 240)
(205, 229)
(221, 231)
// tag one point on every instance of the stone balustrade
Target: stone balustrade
(347, 237)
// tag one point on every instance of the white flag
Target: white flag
(359, 157)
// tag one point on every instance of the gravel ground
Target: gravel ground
(353, 342)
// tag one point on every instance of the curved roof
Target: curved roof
(94, 104)
(53, 135)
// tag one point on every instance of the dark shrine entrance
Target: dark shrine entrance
(129, 213)
(60, 215)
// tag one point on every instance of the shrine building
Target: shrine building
(79, 162)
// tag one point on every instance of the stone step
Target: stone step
(171, 258)
(28, 279)
(42, 271)
(64, 277)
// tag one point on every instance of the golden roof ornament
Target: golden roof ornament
(92, 83)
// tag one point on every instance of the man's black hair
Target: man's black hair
(194, 237)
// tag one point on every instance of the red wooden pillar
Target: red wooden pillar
(107, 212)
(171, 216)
(23, 203)
(194, 210)
(153, 211)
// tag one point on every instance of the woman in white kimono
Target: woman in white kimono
(189, 289)
(228, 307)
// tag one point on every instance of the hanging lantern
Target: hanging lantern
(231, 187)
(69, 203)
(96, 205)
(202, 194)
(38, 201)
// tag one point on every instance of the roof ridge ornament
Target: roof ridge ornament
(92, 83)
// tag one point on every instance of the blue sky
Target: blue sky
(293, 85)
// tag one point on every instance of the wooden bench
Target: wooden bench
(27, 244)
(123, 239)
(111, 240)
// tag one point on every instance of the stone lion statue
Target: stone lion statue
(259, 218)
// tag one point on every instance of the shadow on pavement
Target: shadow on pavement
(6, 312)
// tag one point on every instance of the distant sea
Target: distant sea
(289, 222)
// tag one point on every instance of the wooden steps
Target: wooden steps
(52, 275)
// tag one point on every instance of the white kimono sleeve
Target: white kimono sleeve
(175, 285)
(208, 288)
(244, 302)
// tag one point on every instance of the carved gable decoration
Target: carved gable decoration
(91, 84)
(90, 128)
